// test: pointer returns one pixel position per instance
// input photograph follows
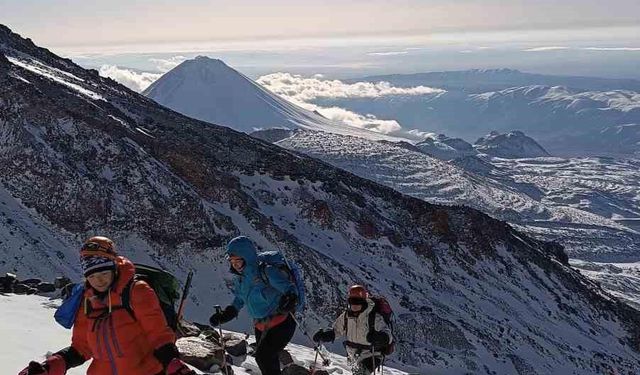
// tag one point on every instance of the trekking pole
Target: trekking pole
(325, 361)
(373, 359)
(183, 299)
(312, 370)
(224, 349)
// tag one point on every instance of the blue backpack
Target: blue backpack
(275, 258)
(66, 313)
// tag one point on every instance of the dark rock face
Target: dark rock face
(90, 156)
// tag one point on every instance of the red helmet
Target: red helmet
(358, 291)
(98, 246)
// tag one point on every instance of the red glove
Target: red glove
(177, 367)
(54, 365)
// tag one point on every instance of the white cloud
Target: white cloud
(137, 81)
(301, 91)
(542, 49)
(165, 65)
(369, 122)
(390, 53)
(612, 48)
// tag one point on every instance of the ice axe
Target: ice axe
(224, 350)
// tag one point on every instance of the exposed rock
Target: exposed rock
(285, 358)
(61, 282)
(7, 282)
(236, 347)
(46, 287)
(187, 329)
(295, 369)
(200, 353)
(24, 289)
(31, 282)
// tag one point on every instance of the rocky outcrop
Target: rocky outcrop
(512, 145)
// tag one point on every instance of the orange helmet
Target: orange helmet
(98, 246)
(358, 291)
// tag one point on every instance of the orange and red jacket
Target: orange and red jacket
(118, 343)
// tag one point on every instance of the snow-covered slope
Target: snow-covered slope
(209, 90)
(471, 293)
(574, 201)
(513, 145)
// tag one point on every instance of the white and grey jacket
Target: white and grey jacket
(356, 330)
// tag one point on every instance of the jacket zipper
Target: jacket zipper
(114, 370)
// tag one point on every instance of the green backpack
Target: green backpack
(165, 285)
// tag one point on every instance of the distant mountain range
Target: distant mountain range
(476, 81)
(564, 121)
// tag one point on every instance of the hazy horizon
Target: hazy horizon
(140, 40)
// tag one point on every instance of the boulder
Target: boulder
(31, 282)
(295, 369)
(46, 287)
(236, 347)
(199, 352)
(61, 282)
(187, 329)
(20, 288)
(7, 282)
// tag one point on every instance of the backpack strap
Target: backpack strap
(262, 268)
(126, 298)
(372, 320)
(345, 322)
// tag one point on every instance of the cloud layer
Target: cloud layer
(136, 81)
(301, 91)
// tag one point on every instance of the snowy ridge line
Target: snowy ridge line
(49, 73)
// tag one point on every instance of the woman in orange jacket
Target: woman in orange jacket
(118, 342)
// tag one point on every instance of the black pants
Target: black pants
(269, 345)
(369, 365)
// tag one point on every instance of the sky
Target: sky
(80, 23)
(139, 40)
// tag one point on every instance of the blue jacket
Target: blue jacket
(249, 288)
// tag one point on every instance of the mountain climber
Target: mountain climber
(365, 346)
(270, 297)
(104, 331)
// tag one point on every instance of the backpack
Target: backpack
(275, 258)
(383, 308)
(165, 285)
(65, 315)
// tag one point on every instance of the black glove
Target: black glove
(34, 368)
(287, 303)
(223, 316)
(378, 339)
(324, 335)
